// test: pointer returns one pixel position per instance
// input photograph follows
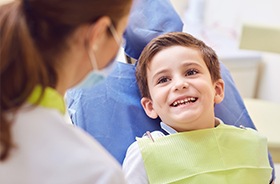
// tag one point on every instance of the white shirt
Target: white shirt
(48, 150)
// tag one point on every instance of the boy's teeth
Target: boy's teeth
(187, 100)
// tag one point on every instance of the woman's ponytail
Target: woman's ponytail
(21, 68)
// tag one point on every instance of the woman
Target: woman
(46, 48)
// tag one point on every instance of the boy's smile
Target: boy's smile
(184, 101)
(182, 92)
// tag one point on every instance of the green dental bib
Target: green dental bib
(221, 155)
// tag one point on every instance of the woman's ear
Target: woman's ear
(147, 104)
(219, 91)
(98, 30)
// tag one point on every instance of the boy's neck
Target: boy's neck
(171, 130)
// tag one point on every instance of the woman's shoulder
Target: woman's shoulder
(63, 147)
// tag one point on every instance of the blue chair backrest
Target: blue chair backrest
(111, 112)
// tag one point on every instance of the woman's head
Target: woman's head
(52, 22)
(37, 34)
(40, 29)
(174, 39)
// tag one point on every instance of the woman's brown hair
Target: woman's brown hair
(32, 34)
(173, 39)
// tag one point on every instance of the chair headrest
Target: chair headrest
(148, 19)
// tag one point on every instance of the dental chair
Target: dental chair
(111, 111)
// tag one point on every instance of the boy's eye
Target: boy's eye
(162, 80)
(191, 72)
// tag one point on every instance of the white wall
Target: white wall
(231, 14)
(269, 88)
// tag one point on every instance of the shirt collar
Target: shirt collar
(50, 99)
(167, 128)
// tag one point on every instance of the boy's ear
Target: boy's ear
(219, 91)
(147, 104)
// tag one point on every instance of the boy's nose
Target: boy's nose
(180, 84)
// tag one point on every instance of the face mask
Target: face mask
(96, 75)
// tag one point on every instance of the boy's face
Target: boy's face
(182, 92)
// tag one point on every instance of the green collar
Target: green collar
(50, 99)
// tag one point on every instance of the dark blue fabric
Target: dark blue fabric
(148, 19)
(111, 112)
(232, 109)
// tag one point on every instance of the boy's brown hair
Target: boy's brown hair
(174, 39)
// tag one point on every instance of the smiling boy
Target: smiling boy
(181, 91)
(180, 82)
